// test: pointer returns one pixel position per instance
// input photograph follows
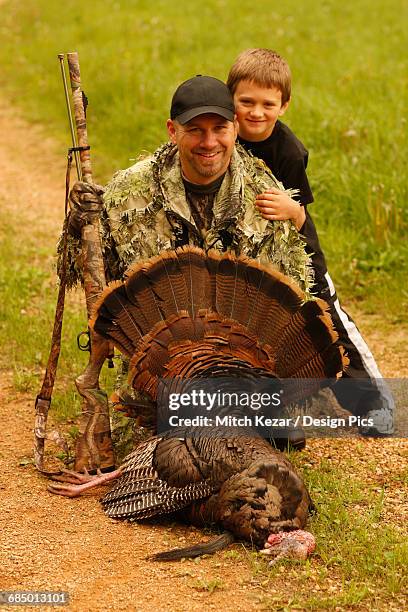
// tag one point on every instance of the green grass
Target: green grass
(28, 296)
(359, 559)
(349, 102)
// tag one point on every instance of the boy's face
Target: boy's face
(257, 109)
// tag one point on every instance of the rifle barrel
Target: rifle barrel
(61, 57)
(79, 113)
(93, 263)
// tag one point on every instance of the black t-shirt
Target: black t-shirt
(201, 200)
(286, 156)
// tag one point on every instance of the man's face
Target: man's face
(257, 109)
(205, 146)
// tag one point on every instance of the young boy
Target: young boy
(260, 81)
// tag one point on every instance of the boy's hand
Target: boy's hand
(276, 205)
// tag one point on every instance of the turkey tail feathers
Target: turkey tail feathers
(197, 276)
(183, 305)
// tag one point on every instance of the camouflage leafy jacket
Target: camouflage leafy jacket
(146, 212)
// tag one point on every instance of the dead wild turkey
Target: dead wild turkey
(186, 315)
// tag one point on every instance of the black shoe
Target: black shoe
(290, 439)
(374, 433)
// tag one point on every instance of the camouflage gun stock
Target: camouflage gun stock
(94, 446)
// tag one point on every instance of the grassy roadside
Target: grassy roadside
(349, 102)
(28, 296)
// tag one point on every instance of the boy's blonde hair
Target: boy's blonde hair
(264, 67)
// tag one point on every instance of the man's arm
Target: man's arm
(86, 203)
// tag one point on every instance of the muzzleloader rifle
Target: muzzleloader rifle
(94, 445)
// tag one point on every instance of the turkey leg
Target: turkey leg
(81, 482)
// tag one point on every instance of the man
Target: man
(197, 189)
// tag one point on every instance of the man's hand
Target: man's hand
(86, 204)
(276, 205)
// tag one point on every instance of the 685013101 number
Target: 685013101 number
(34, 598)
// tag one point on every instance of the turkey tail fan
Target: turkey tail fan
(246, 291)
(232, 288)
(277, 299)
(186, 306)
(139, 291)
(167, 283)
(197, 272)
(308, 334)
(114, 318)
(225, 285)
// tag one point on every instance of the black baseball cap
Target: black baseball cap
(201, 95)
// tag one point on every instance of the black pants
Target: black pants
(367, 391)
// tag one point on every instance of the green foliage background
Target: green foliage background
(349, 101)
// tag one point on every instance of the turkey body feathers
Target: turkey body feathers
(240, 482)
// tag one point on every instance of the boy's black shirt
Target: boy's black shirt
(286, 156)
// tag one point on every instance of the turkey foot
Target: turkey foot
(72, 477)
(296, 544)
(84, 482)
